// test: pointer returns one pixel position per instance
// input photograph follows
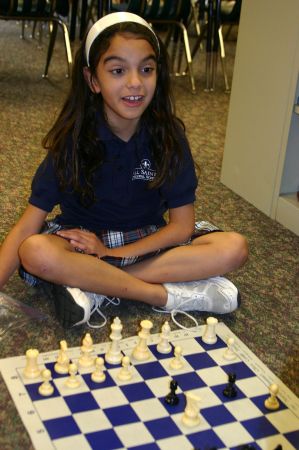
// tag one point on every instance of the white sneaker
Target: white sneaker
(217, 295)
(75, 307)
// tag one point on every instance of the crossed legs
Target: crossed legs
(53, 259)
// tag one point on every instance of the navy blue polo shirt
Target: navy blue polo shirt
(123, 200)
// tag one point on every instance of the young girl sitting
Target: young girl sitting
(118, 160)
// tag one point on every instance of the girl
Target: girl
(117, 161)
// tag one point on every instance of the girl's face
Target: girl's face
(126, 77)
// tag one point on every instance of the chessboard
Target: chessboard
(133, 414)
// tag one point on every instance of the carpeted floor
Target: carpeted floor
(268, 318)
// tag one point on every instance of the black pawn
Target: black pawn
(172, 399)
(230, 390)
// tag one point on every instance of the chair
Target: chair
(173, 14)
(38, 11)
(133, 6)
(230, 16)
(210, 13)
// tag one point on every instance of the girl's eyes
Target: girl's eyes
(121, 70)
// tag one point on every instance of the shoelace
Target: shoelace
(97, 308)
(173, 313)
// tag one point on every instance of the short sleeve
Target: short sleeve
(182, 191)
(44, 187)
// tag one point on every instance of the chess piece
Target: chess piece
(230, 390)
(114, 354)
(191, 417)
(98, 376)
(176, 363)
(62, 364)
(46, 388)
(86, 359)
(141, 351)
(31, 369)
(172, 399)
(125, 373)
(229, 353)
(209, 336)
(272, 402)
(164, 345)
(72, 381)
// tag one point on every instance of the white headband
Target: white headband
(113, 19)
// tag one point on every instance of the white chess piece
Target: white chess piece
(209, 336)
(114, 354)
(272, 402)
(191, 417)
(125, 373)
(62, 364)
(176, 363)
(31, 369)
(164, 345)
(72, 381)
(46, 387)
(86, 359)
(141, 351)
(98, 376)
(229, 353)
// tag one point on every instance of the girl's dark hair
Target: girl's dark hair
(73, 140)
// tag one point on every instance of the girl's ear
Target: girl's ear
(91, 81)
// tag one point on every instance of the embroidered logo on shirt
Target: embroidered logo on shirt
(144, 172)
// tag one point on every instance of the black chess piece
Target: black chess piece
(230, 390)
(171, 398)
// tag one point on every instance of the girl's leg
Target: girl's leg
(52, 259)
(208, 256)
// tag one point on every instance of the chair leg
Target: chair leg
(188, 56)
(68, 49)
(222, 58)
(51, 47)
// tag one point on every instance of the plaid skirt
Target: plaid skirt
(113, 239)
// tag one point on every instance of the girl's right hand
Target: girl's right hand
(85, 241)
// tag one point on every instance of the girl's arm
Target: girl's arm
(30, 223)
(179, 228)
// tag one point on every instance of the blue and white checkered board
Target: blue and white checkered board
(133, 414)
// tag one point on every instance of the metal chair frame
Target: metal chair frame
(172, 13)
(39, 11)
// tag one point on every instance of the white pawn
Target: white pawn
(62, 364)
(125, 373)
(72, 381)
(86, 359)
(141, 351)
(164, 345)
(177, 363)
(229, 353)
(209, 336)
(46, 387)
(191, 417)
(98, 375)
(31, 369)
(272, 402)
(114, 354)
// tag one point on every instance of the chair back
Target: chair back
(137, 6)
(26, 8)
(152, 9)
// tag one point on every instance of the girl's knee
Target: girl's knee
(34, 255)
(238, 248)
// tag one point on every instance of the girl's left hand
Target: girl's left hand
(85, 241)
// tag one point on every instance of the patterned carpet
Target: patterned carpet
(268, 318)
